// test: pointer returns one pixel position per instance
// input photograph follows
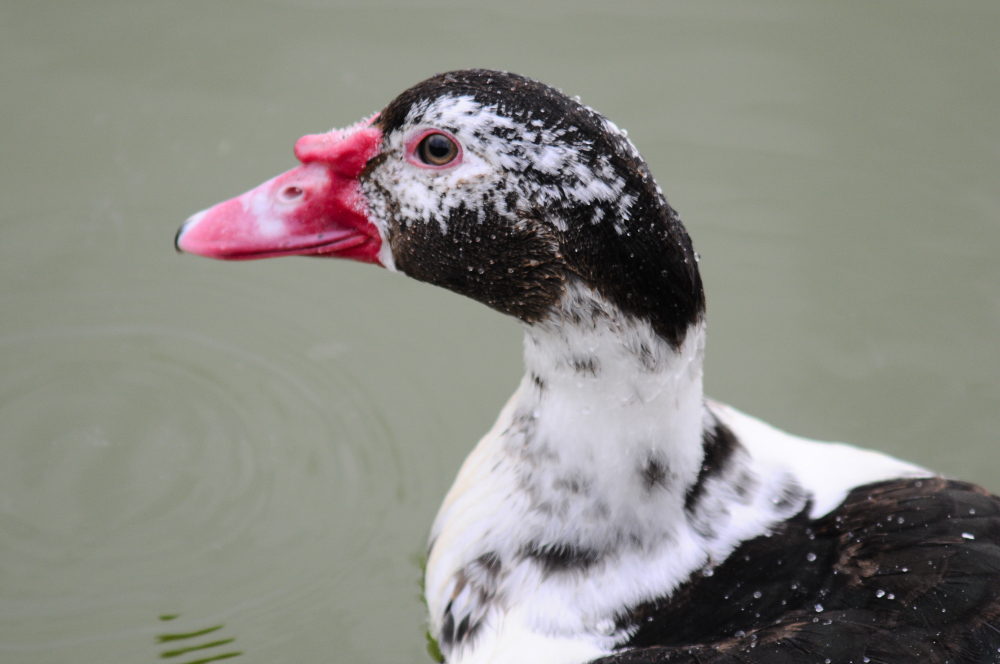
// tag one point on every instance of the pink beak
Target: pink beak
(316, 209)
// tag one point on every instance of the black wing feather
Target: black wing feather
(901, 571)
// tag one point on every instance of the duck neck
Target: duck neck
(607, 428)
(590, 467)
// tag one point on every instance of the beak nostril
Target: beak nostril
(291, 193)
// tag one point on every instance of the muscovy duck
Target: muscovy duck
(613, 513)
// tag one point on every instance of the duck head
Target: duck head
(489, 184)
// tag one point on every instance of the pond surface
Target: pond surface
(202, 460)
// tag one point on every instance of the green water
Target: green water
(204, 459)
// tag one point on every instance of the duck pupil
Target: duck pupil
(438, 146)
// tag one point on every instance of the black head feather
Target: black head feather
(568, 198)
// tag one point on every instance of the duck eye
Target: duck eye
(437, 150)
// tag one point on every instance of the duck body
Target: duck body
(613, 513)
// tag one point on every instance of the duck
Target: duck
(614, 513)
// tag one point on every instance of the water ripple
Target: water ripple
(143, 464)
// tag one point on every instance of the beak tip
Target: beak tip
(185, 227)
(177, 239)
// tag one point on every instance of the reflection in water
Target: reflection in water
(200, 647)
(433, 649)
(194, 470)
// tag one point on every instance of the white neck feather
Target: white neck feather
(612, 426)
(586, 470)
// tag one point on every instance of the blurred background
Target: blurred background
(204, 460)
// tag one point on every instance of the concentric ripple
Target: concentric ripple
(145, 467)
